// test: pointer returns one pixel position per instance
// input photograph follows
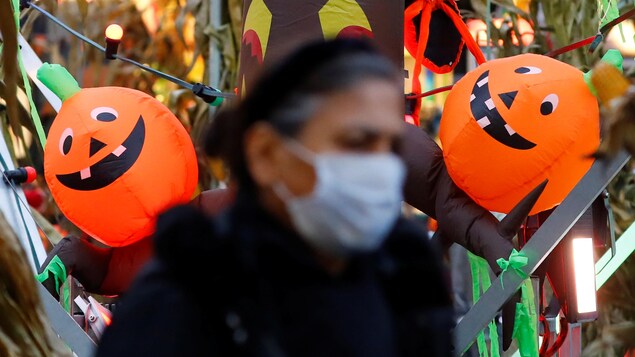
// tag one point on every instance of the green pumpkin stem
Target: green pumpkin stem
(611, 56)
(58, 80)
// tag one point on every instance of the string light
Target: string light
(114, 33)
(208, 94)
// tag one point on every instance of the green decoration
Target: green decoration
(525, 326)
(525, 322)
(57, 269)
(217, 101)
(609, 11)
(58, 80)
(493, 330)
(516, 261)
(27, 85)
(476, 294)
(66, 296)
(480, 272)
(611, 56)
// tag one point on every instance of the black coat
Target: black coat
(242, 284)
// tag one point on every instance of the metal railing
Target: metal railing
(543, 241)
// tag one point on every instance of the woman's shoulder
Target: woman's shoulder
(411, 237)
(157, 316)
(412, 268)
(190, 244)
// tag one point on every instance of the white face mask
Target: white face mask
(354, 204)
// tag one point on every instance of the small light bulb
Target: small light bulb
(114, 32)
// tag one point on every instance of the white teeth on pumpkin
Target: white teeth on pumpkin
(85, 173)
(482, 82)
(510, 130)
(472, 97)
(490, 104)
(483, 122)
(118, 151)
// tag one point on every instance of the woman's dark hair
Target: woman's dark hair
(287, 94)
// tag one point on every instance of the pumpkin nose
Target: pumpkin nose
(95, 146)
(508, 98)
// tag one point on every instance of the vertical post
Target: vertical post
(215, 16)
(572, 346)
(214, 55)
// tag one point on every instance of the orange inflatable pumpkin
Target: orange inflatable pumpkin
(115, 158)
(512, 123)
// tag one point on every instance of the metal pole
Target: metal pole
(65, 326)
(572, 345)
(215, 16)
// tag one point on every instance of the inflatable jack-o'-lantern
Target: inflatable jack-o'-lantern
(115, 158)
(512, 123)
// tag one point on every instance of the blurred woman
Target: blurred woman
(313, 257)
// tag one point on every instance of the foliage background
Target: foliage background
(175, 36)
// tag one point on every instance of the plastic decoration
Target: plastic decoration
(512, 123)
(115, 159)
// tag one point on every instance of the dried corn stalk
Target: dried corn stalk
(24, 329)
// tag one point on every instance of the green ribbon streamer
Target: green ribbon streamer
(476, 294)
(66, 296)
(27, 85)
(480, 272)
(57, 269)
(525, 326)
(516, 261)
(525, 323)
(493, 330)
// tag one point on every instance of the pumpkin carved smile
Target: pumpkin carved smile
(115, 158)
(110, 168)
(489, 119)
(514, 122)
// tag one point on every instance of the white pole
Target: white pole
(215, 14)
